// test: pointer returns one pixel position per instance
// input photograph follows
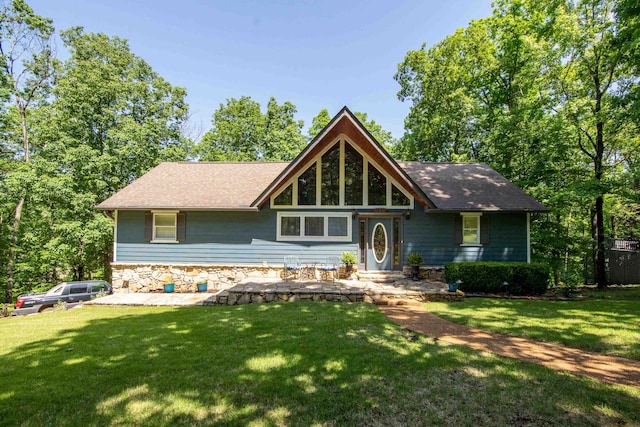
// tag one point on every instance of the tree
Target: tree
(318, 123)
(26, 64)
(531, 90)
(240, 132)
(112, 119)
(283, 139)
(592, 65)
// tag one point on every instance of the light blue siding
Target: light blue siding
(249, 238)
(432, 235)
(226, 238)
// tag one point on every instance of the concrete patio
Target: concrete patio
(262, 291)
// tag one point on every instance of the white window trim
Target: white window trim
(325, 237)
(317, 160)
(154, 239)
(477, 216)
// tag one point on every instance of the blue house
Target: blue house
(223, 222)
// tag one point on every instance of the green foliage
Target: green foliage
(318, 123)
(348, 258)
(240, 132)
(546, 93)
(523, 278)
(414, 258)
(108, 119)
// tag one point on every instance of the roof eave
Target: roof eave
(181, 208)
(488, 210)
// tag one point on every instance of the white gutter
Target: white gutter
(528, 237)
(115, 235)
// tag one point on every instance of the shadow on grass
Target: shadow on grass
(609, 327)
(272, 364)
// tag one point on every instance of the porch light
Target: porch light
(407, 214)
(354, 214)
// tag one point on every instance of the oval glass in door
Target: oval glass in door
(379, 242)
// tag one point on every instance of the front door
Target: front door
(379, 244)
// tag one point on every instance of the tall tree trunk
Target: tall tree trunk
(15, 232)
(599, 256)
(11, 258)
(106, 265)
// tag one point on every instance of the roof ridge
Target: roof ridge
(226, 162)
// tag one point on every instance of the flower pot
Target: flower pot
(202, 287)
(169, 287)
(348, 268)
(415, 272)
(453, 287)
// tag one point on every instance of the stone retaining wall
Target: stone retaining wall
(426, 273)
(259, 297)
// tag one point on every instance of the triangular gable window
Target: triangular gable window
(398, 198)
(285, 198)
(342, 176)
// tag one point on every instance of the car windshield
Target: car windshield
(56, 290)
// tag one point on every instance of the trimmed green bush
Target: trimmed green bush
(523, 278)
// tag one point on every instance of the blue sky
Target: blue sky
(316, 54)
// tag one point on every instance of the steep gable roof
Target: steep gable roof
(469, 187)
(188, 185)
(345, 122)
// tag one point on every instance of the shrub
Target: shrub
(415, 258)
(523, 278)
(348, 258)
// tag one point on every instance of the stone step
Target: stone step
(380, 276)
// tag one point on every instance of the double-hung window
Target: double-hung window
(471, 229)
(330, 227)
(165, 227)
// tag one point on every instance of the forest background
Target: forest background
(544, 91)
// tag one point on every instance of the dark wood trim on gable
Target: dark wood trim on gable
(346, 126)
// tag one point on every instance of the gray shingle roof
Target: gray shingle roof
(217, 185)
(189, 185)
(469, 187)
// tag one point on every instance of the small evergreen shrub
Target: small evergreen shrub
(415, 258)
(348, 258)
(523, 278)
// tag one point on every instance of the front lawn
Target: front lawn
(275, 364)
(604, 323)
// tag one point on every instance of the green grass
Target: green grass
(604, 322)
(275, 364)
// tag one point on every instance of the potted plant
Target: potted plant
(453, 287)
(202, 286)
(415, 259)
(169, 287)
(348, 259)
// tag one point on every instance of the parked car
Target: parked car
(71, 293)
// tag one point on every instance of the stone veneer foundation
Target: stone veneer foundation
(152, 277)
